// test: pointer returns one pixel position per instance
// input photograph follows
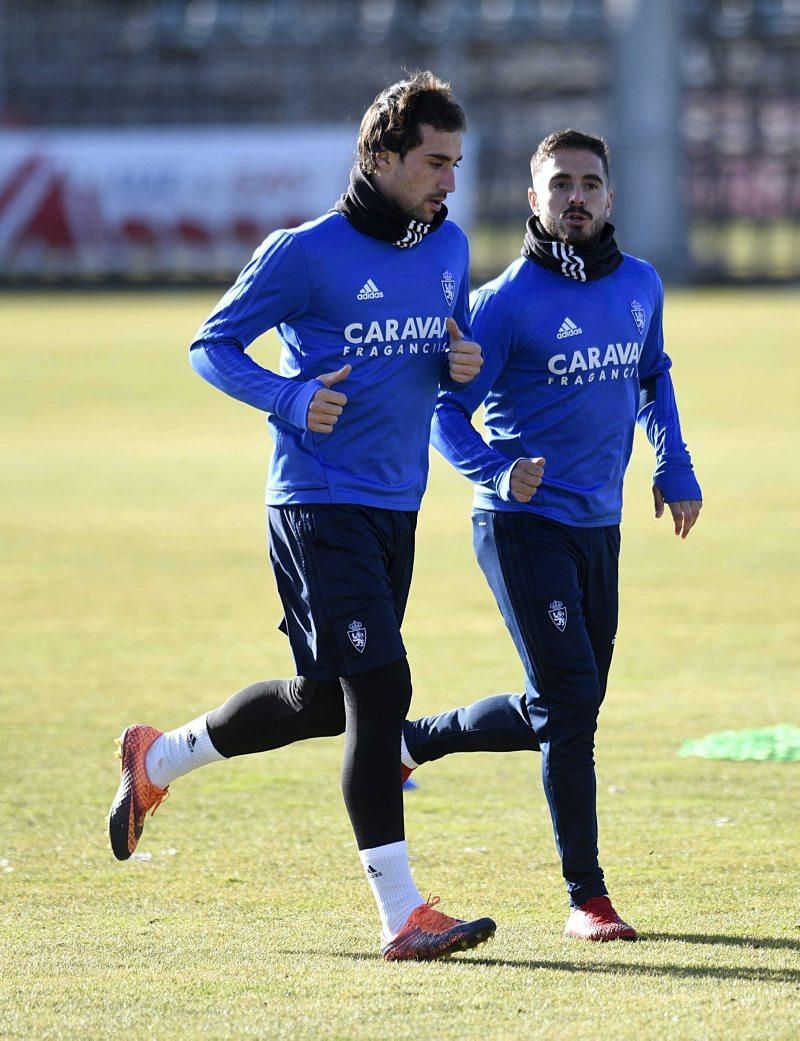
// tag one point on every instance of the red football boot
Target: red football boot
(597, 920)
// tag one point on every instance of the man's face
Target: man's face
(570, 196)
(421, 182)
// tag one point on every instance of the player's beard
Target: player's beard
(587, 236)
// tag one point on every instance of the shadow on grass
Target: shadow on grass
(769, 942)
(711, 972)
(707, 972)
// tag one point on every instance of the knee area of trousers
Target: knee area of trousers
(584, 689)
(579, 702)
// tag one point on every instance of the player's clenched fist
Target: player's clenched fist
(464, 356)
(526, 476)
(327, 405)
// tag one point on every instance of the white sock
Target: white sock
(179, 751)
(405, 755)
(390, 880)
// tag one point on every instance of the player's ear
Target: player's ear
(382, 161)
(609, 203)
(534, 205)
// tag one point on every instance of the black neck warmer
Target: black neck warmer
(583, 263)
(371, 213)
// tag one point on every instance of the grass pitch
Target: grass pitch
(135, 586)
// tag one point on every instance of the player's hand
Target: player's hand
(526, 476)
(464, 357)
(684, 513)
(327, 405)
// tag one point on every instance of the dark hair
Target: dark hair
(392, 122)
(569, 139)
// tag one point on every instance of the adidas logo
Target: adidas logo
(191, 740)
(568, 328)
(373, 873)
(369, 291)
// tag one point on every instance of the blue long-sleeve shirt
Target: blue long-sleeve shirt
(568, 369)
(336, 297)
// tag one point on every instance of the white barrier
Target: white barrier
(163, 203)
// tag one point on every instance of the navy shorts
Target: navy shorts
(343, 574)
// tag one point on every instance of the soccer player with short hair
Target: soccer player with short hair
(369, 301)
(573, 342)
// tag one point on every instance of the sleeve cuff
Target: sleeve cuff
(677, 483)
(502, 482)
(293, 401)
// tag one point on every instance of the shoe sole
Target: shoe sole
(601, 939)
(468, 943)
(120, 822)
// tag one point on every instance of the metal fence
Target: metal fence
(521, 67)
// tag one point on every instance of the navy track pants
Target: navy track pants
(557, 589)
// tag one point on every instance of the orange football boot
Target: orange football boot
(429, 934)
(136, 793)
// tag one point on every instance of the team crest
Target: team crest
(638, 315)
(357, 634)
(558, 615)
(448, 287)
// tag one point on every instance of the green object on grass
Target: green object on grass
(780, 743)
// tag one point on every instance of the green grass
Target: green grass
(134, 586)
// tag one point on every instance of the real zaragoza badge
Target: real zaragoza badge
(448, 287)
(357, 634)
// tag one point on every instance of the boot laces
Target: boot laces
(159, 799)
(434, 921)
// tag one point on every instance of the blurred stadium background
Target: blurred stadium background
(160, 140)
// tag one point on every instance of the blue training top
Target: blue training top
(563, 365)
(338, 296)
